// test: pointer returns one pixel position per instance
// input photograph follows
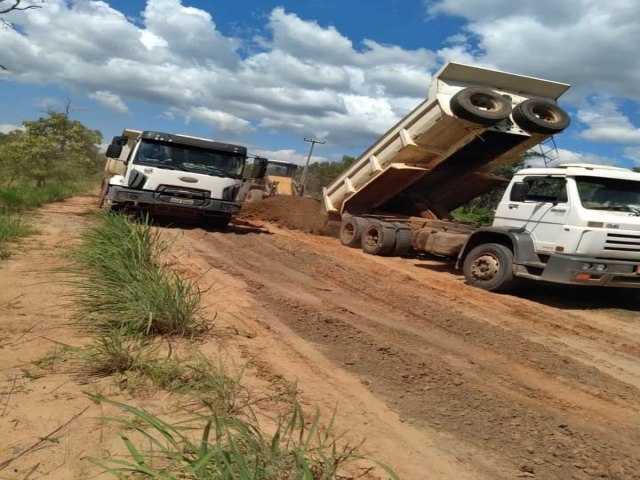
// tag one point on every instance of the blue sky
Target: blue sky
(266, 74)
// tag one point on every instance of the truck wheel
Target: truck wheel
(490, 267)
(540, 116)
(480, 105)
(404, 239)
(378, 238)
(351, 231)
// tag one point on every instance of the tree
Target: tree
(320, 174)
(51, 148)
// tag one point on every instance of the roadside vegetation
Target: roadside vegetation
(48, 160)
(143, 318)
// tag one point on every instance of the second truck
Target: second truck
(177, 175)
(572, 224)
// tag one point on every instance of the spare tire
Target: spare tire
(480, 105)
(378, 238)
(540, 116)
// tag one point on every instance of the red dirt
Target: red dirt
(443, 380)
(287, 211)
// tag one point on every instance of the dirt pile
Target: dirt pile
(290, 212)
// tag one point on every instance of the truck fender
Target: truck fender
(517, 240)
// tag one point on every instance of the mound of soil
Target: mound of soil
(290, 212)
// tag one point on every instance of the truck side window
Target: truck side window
(546, 189)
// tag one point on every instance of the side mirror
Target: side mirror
(259, 167)
(519, 192)
(119, 140)
(114, 151)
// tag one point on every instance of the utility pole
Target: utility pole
(306, 166)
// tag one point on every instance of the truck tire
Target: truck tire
(489, 266)
(378, 238)
(480, 105)
(404, 239)
(351, 231)
(540, 116)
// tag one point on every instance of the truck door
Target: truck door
(543, 213)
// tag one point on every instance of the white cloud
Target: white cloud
(591, 44)
(633, 154)
(223, 121)
(606, 123)
(303, 78)
(110, 100)
(7, 127)
(568, 156)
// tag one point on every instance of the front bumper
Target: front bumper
(163, 202)
(578, 270)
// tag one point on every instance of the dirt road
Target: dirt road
(444, 381)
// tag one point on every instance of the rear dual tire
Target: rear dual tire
(480, 105)
(376, 237)
(540, 116)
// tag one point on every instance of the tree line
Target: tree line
(53, 148)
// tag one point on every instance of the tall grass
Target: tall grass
(207, 446)
(22, 196)
(12, 226)
(16, 199)
(124, 286)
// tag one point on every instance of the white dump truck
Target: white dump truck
(573, 224)
(176, 175)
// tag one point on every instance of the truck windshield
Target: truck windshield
(189, 158)
(609, 194)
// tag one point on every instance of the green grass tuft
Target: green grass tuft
(122, 285)
(208, 446)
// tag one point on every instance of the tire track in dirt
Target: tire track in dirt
(529, 406)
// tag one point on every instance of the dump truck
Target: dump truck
(176, 175)
(278, 180)
(570, 224)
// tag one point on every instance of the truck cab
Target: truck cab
(576, 223)
(175, 175)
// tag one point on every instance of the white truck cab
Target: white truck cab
(576, 223)
(176, 175)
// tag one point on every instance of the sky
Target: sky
(270, 74)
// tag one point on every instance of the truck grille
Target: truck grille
(186, 196)
(183, 192)
(620, 242)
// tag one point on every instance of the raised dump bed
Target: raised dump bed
(439, 156)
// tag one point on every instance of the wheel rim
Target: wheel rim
(485, 267)
(371, 238)
(545, 114)
(348, 232)
(484, 102)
